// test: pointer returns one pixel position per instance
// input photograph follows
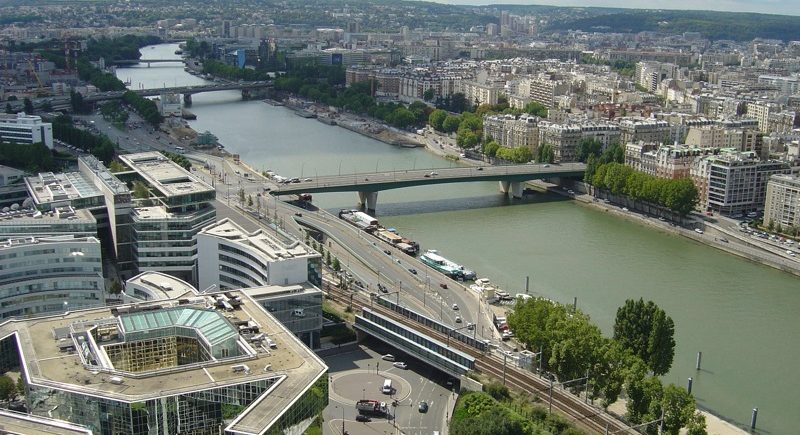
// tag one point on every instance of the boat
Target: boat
(445, 266)
(370, 225)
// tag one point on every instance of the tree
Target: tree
(697, 424)
(28, 105)
(641, 390)
(466, 139)
(648, 332)
(9, 110)
(140, 190)
(21, 385)
(428, 94)
(490, 148)
(588, 147)
(328, 258)
(115, 288)
(336, 265)
(8, 390)
(537, 109)
(678, 406)
(249, 200)
(241, 195)
(436, 119)
(459, 103)
(451, 123)
(545, 154)
(770, 225)
(116, 166)
(609, 371)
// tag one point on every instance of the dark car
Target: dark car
(443, 285)
(298, 214)
(412, 270)
(387, 252)
(423, 407)
(363, 418)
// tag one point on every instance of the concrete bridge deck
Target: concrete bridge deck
(367, 185)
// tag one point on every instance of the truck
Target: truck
(371, 407)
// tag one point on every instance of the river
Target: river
(732, 310)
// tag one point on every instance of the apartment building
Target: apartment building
(664, 161)
(734, 182)
(782, 205)
(645, 130)
(510, 131)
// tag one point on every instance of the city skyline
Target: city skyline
(779, 7)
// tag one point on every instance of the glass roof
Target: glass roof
(214, 327)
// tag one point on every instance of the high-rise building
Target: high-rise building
(166, 223)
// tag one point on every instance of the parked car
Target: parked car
(423, 407)
(458, 319)
(400, 365)
(363, 418)
(412, 270)
(388, 357)
(455, 307)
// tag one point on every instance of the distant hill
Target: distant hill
(736, 26)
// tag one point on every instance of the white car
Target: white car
(388, 357)
(400, 365)
(698, 231)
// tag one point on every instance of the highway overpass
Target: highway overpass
(367, 185)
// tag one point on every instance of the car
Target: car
(546, 166)
(307, 180)
(363, 418)
(661, 218)
(433, 174)
(790, 253)
(412, 270)
(723, 240)
(624, 208)
(571, 192)
(387, 252)
(423, 407)
(709, 213)
(443, 285)
(400, 365)
(455, 307)
(427, 175)
(470, 327)
(388, 357)
(295, 180)
(458, 319)
(480, 168)
(698, 231)
(298, 214)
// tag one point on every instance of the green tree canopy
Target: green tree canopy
(537, 109)
(588, 147)
(8, 390)
(451, 123)
(645, 329)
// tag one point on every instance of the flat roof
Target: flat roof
(262, 240)
(47, 187)
(158, 283)
(270, 291)
(19, 423)
(164, 174)
(61, 220)
(292, 364)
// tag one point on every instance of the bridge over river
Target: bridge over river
(367, 185)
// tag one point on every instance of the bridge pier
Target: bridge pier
(515, 187)
(187, 100)
(368, 200)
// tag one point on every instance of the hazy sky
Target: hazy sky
(783, 7)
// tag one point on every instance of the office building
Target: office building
(49, 262)
(166, 223)
(202, 364)
(298, 307)
(25, 129)
(782, 206)
(233, 258)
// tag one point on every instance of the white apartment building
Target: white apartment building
(650, 74)
(49, 262)
(165, 225)
(231, 258)
(734, 182)
(645, 130)
(480, 93)
(544, 90)
(665, 161)
(761, 112)
(782, 205)
(23, 128)
(512, 132)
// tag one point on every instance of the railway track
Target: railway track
(571, 406)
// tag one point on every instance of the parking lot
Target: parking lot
(361, 374)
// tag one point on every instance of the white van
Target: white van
(387, 387)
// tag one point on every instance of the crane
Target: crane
(41, 91)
